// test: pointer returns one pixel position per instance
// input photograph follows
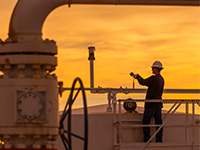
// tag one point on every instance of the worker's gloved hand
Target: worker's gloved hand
(135, 76)
(132, 74)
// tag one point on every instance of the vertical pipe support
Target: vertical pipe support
(120, 124)
(114, 123)
(110, 97)
(91, 73)
(91, 58)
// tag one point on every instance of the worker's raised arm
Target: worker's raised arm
(147, 81)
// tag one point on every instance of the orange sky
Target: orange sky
(127, 38)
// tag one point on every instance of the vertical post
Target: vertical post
(120, 124)
(186, 120)
(91, 73)
(193, 123)
(91, 58)
(114, 122)
(110, 97)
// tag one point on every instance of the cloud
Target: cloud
(127, 38)
(152, 43)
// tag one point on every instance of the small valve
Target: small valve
(60, 88)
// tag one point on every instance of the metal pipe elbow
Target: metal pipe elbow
(28, 17)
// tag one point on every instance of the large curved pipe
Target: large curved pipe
(28, 18)
(29, 15)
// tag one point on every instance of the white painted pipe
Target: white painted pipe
(29, 15)
(28, 18)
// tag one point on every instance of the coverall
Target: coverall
(155, 85)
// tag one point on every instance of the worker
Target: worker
(155, 84)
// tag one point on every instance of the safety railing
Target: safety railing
(117, 118)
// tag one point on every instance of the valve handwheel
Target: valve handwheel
(67, 141)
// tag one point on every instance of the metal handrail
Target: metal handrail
(197, 101)
(131, 90)
(172, 110)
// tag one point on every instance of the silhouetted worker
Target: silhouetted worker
(155, 85)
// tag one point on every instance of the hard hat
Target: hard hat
(157, 64)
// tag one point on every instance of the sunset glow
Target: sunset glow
(127, 39)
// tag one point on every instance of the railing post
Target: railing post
(193, 123)
(186, 120)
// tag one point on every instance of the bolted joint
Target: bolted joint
(36, 67)
(21, 66)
